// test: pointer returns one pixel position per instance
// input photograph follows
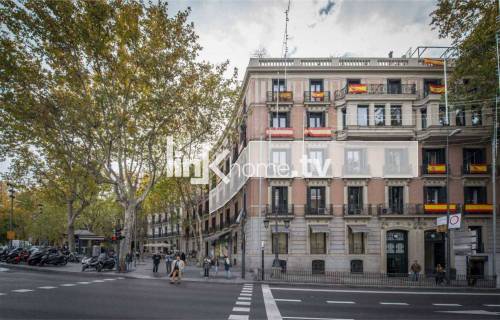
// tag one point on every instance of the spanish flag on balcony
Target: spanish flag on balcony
(279, 132)
(357, 88)
(479, 208)
(478, 168)
(439, 207)
(434, 62)
(318, 94)
(436, 168)
(285, 95)
(318, 132)
(436, 88)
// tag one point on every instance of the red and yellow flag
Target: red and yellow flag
(436, 168)
(437, 88)
(357, 88)
(434, 62)
(478, 168)
(318, 94)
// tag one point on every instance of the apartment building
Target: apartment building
(381, 122)
(164, 232)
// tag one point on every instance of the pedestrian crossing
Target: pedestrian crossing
(241, 310)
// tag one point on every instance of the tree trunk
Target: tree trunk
(128, 228)
(71, 226)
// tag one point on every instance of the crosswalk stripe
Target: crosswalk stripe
(244, 298)
(83, 282)
(340, 302)
(241, 309)
(491, 305)
(446, 304)
(46, 287)
(68, 285)
(98, 281)
(246, 294)
(22, 290)
(238, 317)
(394, 303)
(243, 303)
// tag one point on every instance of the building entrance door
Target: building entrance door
(434, 250)
(397, 252)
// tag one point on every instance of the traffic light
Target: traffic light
(118, 234)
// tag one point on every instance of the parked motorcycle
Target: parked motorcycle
(36, 257)
(107, 263)
(53, 257)
(14, 256)
(89, 263)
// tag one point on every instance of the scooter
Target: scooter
(89, 263)
(36, 257)
(54, 258)
(13, 256)
(107, 263)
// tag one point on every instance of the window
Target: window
(318, 243)
(316, 200)
(473, 156)
(394, 86)
(442, 115)
(315, 159)
(435, 194)
(235, 243)
(356, 242)
(279, 84)
(316, 119)
(475, 195)
(460, 116)
(476, 116)
(479, 238)
(206, 225)
(344, 118)
(221, 220)
(423, 118)
(355, 161)
(282, 243)
(380, 115)
(396, 202)
(280, 199)
(354, 200)
(396, 161)
(362, 115)
(396, 116)
(427, 83)
(353, 81)
(434, 156)
(228, 216)
(280, 162)
(316, 85)
(280, 120)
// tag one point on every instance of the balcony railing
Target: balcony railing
(478, 208)
(350, 209)
(372, 89)
(280, 211)
(316, 211)
(476, 168)
(440, 207)
(355, 169)
(316, 96)
(439, 168)
(395, 209)
(282, 96)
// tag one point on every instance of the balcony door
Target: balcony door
(396, 199)
(475, 195)
(473, 156)
(394, 86)
(316, 119)
(434, 156)
(316, 200)
(280, 120)
(279, 85)
(316, 85)
(435, 195)
(280, 200)
(354, 200)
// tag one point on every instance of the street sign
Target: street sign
(11, 235)
(455, 221)
(441, 221)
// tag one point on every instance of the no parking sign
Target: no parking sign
(455, 221)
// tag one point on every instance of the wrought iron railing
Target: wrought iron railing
(319, 211)
(280, 210)
(316, 96)
(379, 89)
(353, 209)
(282, 96)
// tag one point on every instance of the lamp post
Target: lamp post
(12, 192)
(448, 239)
(276, 261)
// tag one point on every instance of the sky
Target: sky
(235, 29)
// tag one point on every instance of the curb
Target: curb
(44, 270)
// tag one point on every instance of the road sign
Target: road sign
(455, 221)
(441, 221)
(11, 235)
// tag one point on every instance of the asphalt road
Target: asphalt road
(34, 295)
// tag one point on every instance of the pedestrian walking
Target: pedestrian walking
(156, 262)
(168, 262)
(207, 264)
(128, 261)
(177, 267)
(415, 269)
(439, 274)
(137, 256)
(227, 266)
(216, 265)
(183, 257)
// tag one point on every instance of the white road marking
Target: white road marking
(46, 287)
(241, 309)
(109, 279)
(306, 318)
(491, 305)
(340, 302)
(394, 303)
(238, 317)
(272, 311)
(446, 304)
(98, 281)
(120, 278)
(3, 269)
(244, 298)
(478, 312)
(23, 290)
(243, 303)
(389, 292)
(288, 300)
(246, 294)
(2, 294)
(68, 285)
(83, 282)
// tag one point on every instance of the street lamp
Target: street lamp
(276, 261)
(12, 192)
(448, 238)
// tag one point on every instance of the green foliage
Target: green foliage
(471, 24)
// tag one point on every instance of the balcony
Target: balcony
(397, 210)
(476, 169)
(314, 212)
(280, 212)
(359, 210)
(439, 207)
(478, 208)
(279, 133)
(284, 97)
(318, 132)
(317, 97)
(375, 89)
(431, 169)
(355, 169)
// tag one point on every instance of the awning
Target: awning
(359, 228)
(319, 228)
(217, 235)
(281, 229)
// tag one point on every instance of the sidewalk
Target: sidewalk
(142, 270)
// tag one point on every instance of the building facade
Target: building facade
(382, 123)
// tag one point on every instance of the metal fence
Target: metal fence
(373, 279)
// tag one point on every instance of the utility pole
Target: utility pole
(12, 196)
(494, 156)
